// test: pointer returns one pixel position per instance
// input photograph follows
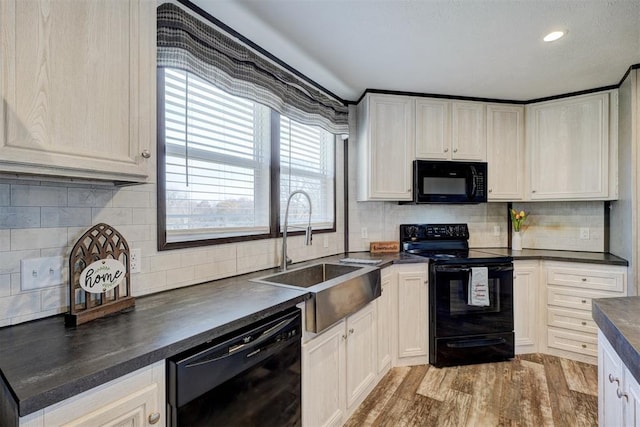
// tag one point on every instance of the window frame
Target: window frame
(274, 193)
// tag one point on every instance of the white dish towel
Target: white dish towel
(479, 287)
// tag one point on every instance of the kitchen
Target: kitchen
(44, 219)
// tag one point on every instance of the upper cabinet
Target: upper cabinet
(448, 130)
(385, 147)
(505, 152)
(78, 89)
(572, 148)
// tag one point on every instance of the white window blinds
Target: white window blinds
(217, 161)
(307, 163)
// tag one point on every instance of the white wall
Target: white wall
(41, 219)
(624, 216)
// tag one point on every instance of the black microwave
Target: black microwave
(449, 182)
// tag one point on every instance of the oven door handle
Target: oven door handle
(458, 269)
(482, 342)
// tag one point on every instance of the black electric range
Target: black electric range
(444, 243)
(470, 295)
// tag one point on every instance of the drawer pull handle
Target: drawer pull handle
(620, 394)
(613, 379)
(154, 418)
(584, 346)
(584, 323)
(584, 301)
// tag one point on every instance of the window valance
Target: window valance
(189, 43)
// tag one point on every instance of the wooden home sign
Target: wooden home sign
(99, 275)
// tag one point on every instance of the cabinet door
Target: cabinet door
(412, 323)
(505, 152)
(388, 150)
(384, 319)
(78, 85)
(433, 136)
(610, 381)
(525, 306)
(631, 401)
(468, 138)
(361, 350)
(135, 399)
(323, 378)
(569, 148)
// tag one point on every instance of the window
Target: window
(221, 154)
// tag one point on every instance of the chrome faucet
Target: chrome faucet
(307, 235)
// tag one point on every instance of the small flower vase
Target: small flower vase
(516, 241)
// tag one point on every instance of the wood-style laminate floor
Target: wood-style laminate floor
(530, 390)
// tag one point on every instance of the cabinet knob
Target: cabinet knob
(533, 191)
(351, 331)
(344, 337)
(584, 279)
(584, 301)
(146, 154)
(621, 394)
(584, 323)
(584, 346)
(154, 418)
(446, 150)
(613, 379)
(455, 150)
(491, 190)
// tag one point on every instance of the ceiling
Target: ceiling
(477, 48)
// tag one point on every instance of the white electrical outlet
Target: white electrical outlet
(584, 233)
(136, 260)
(364, 233)
(36, 273)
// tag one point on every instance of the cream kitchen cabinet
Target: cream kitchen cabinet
(339, 369)
(618, 390)
(384, 320)
(572, 148)
(526, 285)
(569, 289)
(450, 130)
(505, 152)
(78, 89)
(412, 315)
(385, 147)
(137, 399)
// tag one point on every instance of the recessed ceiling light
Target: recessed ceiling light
(554, 35)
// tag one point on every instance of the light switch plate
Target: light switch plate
(36, 273)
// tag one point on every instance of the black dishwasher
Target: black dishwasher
(250, 377)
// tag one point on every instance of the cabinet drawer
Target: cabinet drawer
(604, 280)
(576, 342)
(574, 298)
(578, 320)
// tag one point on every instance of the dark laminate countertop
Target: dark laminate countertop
(550, 255)
(43, 362)
(618, 318)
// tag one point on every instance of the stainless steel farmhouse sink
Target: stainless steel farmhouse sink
(337, 290)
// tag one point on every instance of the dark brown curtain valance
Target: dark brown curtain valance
(189, 43)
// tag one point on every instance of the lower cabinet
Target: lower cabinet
(341, 365)
(339, 369)
(569, 289)
(137, 399)
(618, 390)
(525, 306)
(412, 313)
